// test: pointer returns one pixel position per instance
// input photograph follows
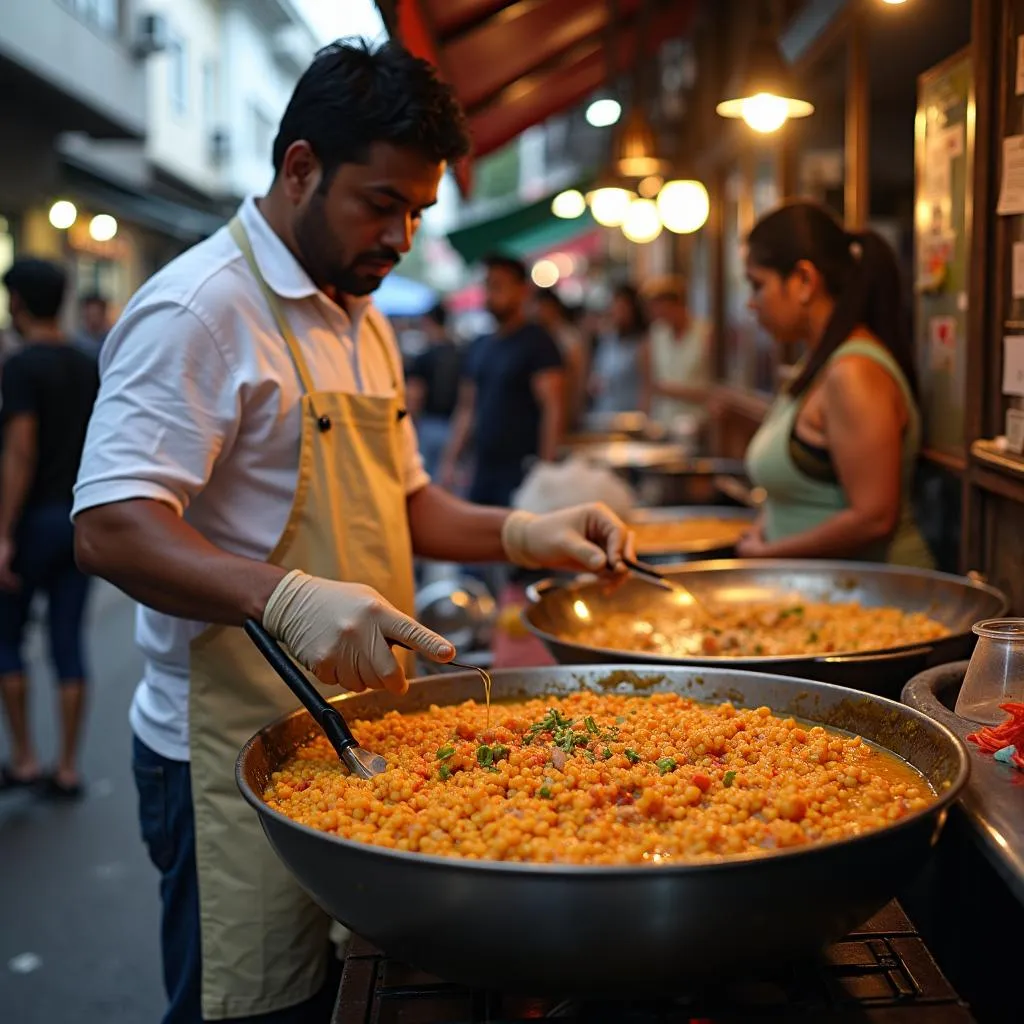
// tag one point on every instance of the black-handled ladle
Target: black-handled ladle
(357, 759)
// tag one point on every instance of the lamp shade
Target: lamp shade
(635, 151)
(765, 94)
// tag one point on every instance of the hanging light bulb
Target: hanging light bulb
(603, 113)
(569, 204)
(642, 223)
(683, 206)
(103, 227)
(765, 95)
(63, 214)
(635, 151)
(650, 186)
(609, 205)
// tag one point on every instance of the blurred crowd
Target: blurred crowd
(489, 407)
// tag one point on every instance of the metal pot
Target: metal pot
(955, 601)
(609, 930)
(684, 481)
(697, 547)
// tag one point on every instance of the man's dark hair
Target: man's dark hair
(438, 314)
(93, 298)
(498, 261)
(39, 284)
(355, 93)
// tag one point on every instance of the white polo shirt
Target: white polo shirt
(199, 407)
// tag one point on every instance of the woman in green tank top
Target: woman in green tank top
(837, 451)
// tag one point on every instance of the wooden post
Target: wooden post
(857, 197)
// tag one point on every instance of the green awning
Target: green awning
(519, 232)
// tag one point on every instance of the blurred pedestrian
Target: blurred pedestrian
(512, 396)
(432, 390)
(556, 318)
(678, 358)
(48, 389)
(94, 320)
(616, 376)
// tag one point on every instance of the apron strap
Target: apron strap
(238, 233)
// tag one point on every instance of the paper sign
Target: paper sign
(1013, 364)
(1011, 194)
(1015, 431)
(1020, 65)
(1018, 270)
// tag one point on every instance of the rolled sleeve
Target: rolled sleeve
(168, 407)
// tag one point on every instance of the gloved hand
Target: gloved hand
(585, 537)
(340, 632)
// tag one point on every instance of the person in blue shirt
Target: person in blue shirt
(512, 400)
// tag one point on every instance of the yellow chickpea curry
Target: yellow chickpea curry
(767, 629)
(599, 779)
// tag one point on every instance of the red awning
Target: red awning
(515, 64)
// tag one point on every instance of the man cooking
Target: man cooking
(250, 457)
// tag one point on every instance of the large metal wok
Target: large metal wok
(599, 930)
(690, 548)
(955, 601)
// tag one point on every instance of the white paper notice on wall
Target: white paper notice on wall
(1013, 364)
(1020, 66)
(1011, 193)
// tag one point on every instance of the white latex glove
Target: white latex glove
(341, 632)
(588, 537)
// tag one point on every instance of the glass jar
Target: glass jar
(995, 674)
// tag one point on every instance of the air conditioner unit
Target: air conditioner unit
(152, 35)
(220, 145)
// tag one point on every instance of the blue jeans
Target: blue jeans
(168, 830)
(44, 559)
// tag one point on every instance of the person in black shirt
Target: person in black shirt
(512, 398)
(433, 389)
(47, 390)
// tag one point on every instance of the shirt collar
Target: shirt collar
(283, 273)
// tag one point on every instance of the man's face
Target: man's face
(353, 233)
(505, 295)
(94, 316)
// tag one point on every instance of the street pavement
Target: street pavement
(78, 896)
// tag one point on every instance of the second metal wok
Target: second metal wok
(595, 931)
(955, 601)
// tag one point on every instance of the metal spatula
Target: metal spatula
(357, 759)
(651, 575)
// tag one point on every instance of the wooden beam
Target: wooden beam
(857, 198)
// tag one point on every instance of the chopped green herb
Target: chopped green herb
(606, 753)
(759, 648)
(729, 779)
(490, 768)
(444, 753)
(484, 755)
(631, 755)
(545, 792)
(589, 755)
(619, 719)
(591, 725)
(500, 751)
(665, 765)
(444, 772)
(812, 637)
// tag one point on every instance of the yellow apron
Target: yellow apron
(263, 939)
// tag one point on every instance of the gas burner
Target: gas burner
(881, 972)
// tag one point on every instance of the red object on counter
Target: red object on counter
(1009, 734)
(517, 651)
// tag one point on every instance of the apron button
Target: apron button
(324, 423)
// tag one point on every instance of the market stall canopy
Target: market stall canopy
(520, 231)
(516, 64)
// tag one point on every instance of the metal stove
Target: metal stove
(882, 972)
